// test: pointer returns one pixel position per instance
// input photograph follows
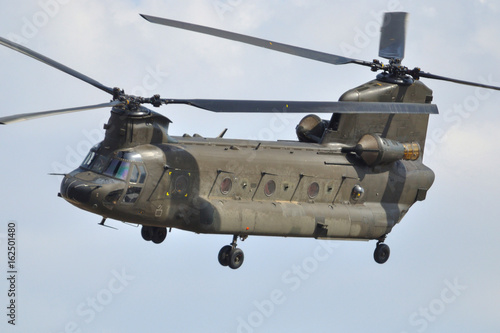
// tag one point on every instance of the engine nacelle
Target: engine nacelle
(375, 150)
(311, 128)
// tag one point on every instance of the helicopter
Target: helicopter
(351, 177)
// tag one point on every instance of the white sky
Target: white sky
(65, 260)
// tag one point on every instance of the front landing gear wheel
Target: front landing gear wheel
(236, 257)
(147, 233)
(159, 234)
(382, 252)
(224, 255)
(155, 234)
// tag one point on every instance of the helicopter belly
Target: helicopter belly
(287, 219)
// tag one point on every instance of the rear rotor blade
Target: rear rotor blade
(255, 106)
(55, 64)
(28, 116)
(285, 48)
(393, 36)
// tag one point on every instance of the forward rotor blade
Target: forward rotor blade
(444, 78)
(393, 36)
(28, 116)
(285, 48)
(249, 106)
(55, 64)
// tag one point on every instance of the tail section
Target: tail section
(405, 128)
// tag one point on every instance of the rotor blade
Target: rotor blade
(393, 36)
(55, 64)
(285, 48)
(28, 116)
(444, 78)
(249, 106)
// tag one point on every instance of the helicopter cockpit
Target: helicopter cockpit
(124, 165)
(118, 178)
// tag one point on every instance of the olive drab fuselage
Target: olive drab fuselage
(140, 174)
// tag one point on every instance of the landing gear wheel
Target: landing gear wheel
(230, 255)
(159, 235)
(236, 257)
(382, 252)
(147, 233)
(224, 255)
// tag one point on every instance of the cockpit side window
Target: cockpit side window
(138, 174)
(142, 173)
(136, 182)
(134, 174)
(132, 194)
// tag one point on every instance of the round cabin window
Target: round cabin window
(226, 185)
(270, 188)
(313, 190)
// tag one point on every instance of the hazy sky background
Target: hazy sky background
(75, 276)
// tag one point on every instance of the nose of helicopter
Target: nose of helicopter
(77, 191)
(91, 192)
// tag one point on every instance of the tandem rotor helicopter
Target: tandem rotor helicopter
(352, 177)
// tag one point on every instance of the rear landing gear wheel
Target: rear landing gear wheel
(236, 257)
(382, 252)
(224, 255)
(230, 255)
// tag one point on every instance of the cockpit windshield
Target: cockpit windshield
(88, 160)
(99, 163)
(117, 167)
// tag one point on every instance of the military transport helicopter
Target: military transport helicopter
(352, 177)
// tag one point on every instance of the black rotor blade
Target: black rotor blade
(28, 116)
(444, 78)
(55, 64)
(255, 106)
(285, 48)
(393, 36)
